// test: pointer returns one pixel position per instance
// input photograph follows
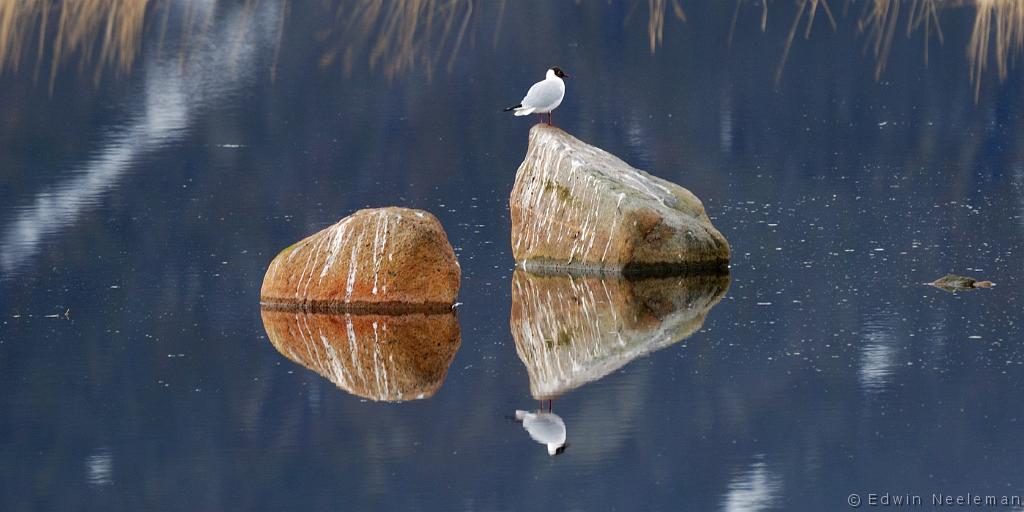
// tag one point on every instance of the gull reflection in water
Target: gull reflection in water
(571, 330)
(388, 358)
(172, 93)
(545, 427)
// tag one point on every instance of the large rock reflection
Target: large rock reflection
(380, 357)
(571, 330)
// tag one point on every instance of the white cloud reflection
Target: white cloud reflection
(99, 468)
(755, 489)
(878, 352)
(218, 62)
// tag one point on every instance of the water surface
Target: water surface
(140, 203)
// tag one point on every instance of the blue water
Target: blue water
(139, 208)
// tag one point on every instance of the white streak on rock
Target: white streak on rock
(380, 368)
(353, 347)
(570, 196)
(353, 266)
(611, 232)
(339, 238)
(380, 240)
(335, 364)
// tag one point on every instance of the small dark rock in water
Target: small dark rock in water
(955, 283)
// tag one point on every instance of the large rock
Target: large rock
(379, 357)
(385, 259)
(571, 330)
(576, 206)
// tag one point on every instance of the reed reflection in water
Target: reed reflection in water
(170, 97)
(404, 36)
(99, 35)
(105, 33)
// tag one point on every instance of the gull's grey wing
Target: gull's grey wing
(542, 94)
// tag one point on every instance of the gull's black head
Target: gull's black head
(559, 73)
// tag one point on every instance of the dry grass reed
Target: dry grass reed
(998, 29)
(99, 33)
(399, 36)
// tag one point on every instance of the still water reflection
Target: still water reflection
(571, 330)
(753, 488)
(159, 111)
(879, 351)
(381, 357)
(149, 173)
(546, 428)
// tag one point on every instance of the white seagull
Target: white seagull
(546, 428)
(544, 96)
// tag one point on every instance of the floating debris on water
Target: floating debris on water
(954, 283)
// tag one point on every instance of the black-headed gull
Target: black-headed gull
(546, 428)
(544, 96)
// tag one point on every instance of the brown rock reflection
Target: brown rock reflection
(389, 358)
(571, 330)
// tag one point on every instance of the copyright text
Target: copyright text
(857, 500)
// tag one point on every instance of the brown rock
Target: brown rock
(384, 259)
(379, 357)
(573, 330)
(575, 206)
